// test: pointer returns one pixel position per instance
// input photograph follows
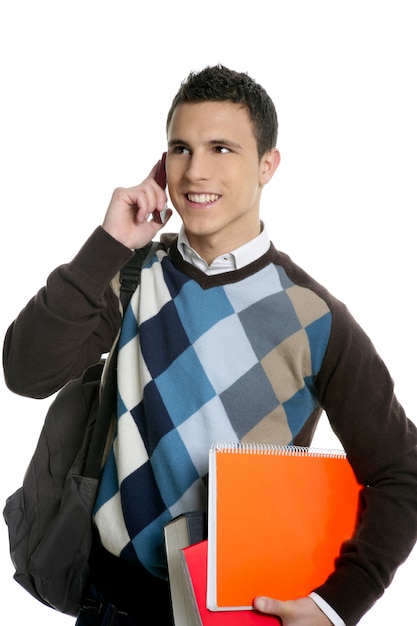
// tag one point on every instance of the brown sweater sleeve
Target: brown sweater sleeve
(357, 392)
(69, 323)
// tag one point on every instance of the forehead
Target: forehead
(207, 120)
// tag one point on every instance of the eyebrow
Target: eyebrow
(227, 143)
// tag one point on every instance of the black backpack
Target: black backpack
(49, 517)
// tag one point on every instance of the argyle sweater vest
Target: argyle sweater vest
(225, 358)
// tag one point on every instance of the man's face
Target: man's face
(214, 175)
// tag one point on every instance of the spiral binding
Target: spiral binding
(264, 448)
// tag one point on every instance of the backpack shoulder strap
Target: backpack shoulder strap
(129, 281)
(130, 273)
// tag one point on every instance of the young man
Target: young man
(228, 340)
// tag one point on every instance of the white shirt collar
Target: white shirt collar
(228, 262)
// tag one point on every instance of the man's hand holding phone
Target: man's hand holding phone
(128, 216)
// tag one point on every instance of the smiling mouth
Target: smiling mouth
(202, 198)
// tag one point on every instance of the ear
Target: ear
(268, 165)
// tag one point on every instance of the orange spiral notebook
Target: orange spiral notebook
(277, 517)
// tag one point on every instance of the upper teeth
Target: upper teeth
(203, 198)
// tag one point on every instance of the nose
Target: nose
(198, 167)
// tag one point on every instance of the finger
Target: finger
(155, 192)
(142, 205)
(149, 198)
(268, 605)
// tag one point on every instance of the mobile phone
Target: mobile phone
(161, 179)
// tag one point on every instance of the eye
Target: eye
(221, 149)
(180, 150)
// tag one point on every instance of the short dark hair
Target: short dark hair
(219, 84)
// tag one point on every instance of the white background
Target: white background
(85, 86)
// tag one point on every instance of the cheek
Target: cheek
(249, 183)
(172, 184)
(173, 172)
(175, 197)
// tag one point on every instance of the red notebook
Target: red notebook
(194, 561)
(277, 517)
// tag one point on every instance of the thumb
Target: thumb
(268, 605)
